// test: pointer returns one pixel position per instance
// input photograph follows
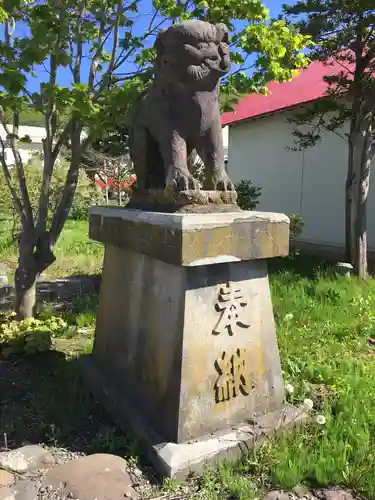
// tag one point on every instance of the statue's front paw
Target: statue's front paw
(220, 182)
(180, 180)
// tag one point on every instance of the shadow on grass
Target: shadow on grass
(308, 267)
(61, 294)
(43, 399)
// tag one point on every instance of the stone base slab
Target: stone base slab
(179, 460)
(199, 201)
(191, 239)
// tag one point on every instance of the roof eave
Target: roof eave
(270, 113)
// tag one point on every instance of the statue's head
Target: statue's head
(192, 52)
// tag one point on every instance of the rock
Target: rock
(6, 478)
(100, 477)
(26, 459)
(23, 490)
(334, 494)
(62, 455)
(277, 495)
(344, 268)
(303, 492)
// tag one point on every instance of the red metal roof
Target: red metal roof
(307, 86)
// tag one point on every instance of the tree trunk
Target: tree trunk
(362, 156)
(25, 281)
(25, 278)
(348, 196)
(34, 258)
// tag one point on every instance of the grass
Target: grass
(324, 323)
(75, 252)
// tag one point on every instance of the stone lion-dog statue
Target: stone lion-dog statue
(179, 113)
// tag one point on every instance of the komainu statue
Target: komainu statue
(180, 112)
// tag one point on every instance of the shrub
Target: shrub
(86, 193)
(28, 336)
(296, 226)
(247, 195)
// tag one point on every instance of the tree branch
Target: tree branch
(8, 179)
(65, 203)
(78, 60)
(63, 208)
(49, 161)
(27, 213)
(112, 64)
(99, 51)
(63, 137)
(123, 58)
(115, 38)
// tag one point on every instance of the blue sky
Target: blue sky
(141, 24)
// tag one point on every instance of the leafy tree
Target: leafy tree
(107, 54)
(344, 35)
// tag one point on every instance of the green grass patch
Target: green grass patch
(75, 253)
(324, 323)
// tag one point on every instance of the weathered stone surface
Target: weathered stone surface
(333, 494)
(185, 336)
(6, 493)
(180, 110)
(26, 459)
(171, 372)
(100, 476)
(344, 268)
(279, 495)
(193, 201)
(192, 239)
(6, 478)
(23, 490)
(302, 491)
(179, 460)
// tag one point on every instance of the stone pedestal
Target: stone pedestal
(185, 350)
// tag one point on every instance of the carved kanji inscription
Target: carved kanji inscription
(232, 305)
(233, 376)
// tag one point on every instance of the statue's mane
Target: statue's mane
(194, 30)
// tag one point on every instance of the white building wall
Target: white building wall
(309, 183)
(225, 132)
(36, 135)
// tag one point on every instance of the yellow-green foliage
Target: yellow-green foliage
(28, 336)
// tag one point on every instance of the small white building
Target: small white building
(34, 133)
(310, 183)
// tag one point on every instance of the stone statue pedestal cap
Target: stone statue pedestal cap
(185, 352)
